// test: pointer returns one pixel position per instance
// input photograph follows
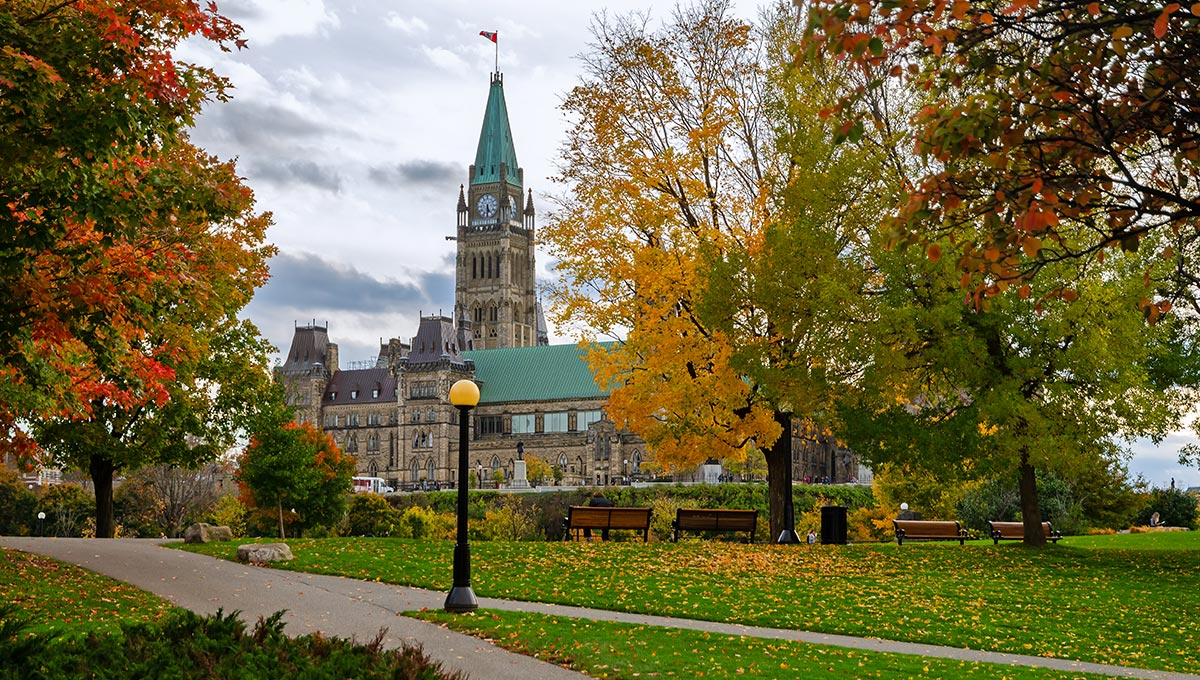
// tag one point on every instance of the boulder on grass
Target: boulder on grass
(206, 533)
(264, 552)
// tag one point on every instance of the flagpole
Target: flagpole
(497, 42)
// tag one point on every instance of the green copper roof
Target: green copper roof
(495, 139)
(545, 373)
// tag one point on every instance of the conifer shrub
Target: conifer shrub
(218, 647)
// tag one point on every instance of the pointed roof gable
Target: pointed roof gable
(495, 139)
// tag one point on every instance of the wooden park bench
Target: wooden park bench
(712, 519)
(1015, 531)
(928, 530)
(601, 518)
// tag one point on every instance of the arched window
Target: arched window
(474, 268)
(416, 440)
(489, 265)
(372, 469)
(429, 469)
(415, 471)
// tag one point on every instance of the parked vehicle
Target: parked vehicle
(370, 485)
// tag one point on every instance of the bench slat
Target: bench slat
(604, 517)
(1015, 531)
(714, 519)
(928, 530)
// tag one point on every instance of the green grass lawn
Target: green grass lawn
(1123, 600)
(611, 650)
(65, 599)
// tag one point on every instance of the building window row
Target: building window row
(424, 390)
(526, 423)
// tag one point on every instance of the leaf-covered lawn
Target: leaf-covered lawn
(611, 650)
(1112, 605)
(64, 598)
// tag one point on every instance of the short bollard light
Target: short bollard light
(464, 395)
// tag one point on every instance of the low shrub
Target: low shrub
(229, 512)
(216, 647)
(510, 520)
(1175, 508)
(67, 507)
(18, 514)
(370, 514)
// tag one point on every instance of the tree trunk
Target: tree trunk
(1031, 513)
(101, 469)
(779, 479)
(279, 502)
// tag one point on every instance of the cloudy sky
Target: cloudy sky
(354, 122)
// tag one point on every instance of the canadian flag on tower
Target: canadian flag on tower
(489, 36)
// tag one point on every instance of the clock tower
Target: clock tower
(496, 287)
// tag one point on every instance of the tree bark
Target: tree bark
(779, 477)
(101, 469)
(1031, 513)
(279, 502)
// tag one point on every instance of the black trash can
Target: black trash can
(833, 525)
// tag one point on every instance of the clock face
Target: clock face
(487, 205)
(512, 207)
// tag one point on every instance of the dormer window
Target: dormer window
(375, 393)
(354, 394)
(333, 396)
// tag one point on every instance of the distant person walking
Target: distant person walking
(598, 500)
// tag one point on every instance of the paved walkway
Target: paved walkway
(348, 607)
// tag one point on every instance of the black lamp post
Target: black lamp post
(464, 395)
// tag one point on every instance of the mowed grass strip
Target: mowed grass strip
(604, 649)
(65, 599)
(1119, 605)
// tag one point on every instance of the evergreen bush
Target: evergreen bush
(1175, 508)
(218, 647)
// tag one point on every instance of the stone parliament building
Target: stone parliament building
(395, 417)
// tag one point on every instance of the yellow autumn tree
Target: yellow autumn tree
(710, 230)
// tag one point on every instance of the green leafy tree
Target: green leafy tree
(1015, 386)
(295, 466)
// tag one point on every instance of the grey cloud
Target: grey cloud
(282, 173)
(306, 287)
(258, 126)
(307, 283)
(240, 10)
(419, 172)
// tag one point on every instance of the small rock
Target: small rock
(264, 552)
(206, 533)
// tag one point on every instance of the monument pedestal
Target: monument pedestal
(519, 481)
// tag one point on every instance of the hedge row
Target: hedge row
(545, 510)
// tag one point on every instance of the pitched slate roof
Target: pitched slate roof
(546, 373)
(495, 139)
(364, 382)
(309, 347)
